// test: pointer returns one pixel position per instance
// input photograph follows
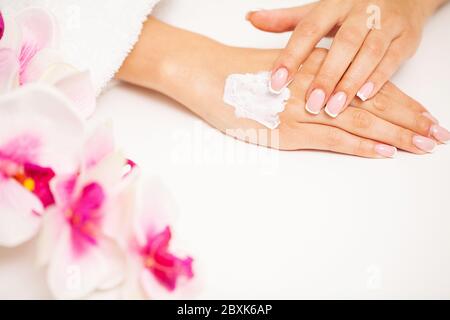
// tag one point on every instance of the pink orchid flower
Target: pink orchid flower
(38, 138)
(153, 270)
(2, 26)
(79, 231)
(29, 53)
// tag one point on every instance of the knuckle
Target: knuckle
(333, 138)
(289, 58)
(318, 55)
(307, 29)
(422, 124)
(375, 47)
(382, 75)
(379, 103)
(404, 138)
(349, 84)
(361, 119)
(349, 36)
(362, 148)
(325, 80)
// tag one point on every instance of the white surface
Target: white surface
(291, 225)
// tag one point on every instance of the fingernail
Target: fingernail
(279, 80)
(366, 91)
(386, 151)
(431, 117)
(439, 133)
(315, 101)
(424, 144)
(336, 104)
(247, 16)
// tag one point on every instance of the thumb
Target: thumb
(279, 20)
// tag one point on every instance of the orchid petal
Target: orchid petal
(63, 188)
(157, 210)
(131, 287)
(56, 72)
(44, 114)
(108, 172)
(2, 25)
(79, 88)
(53, 224)
(21, 149)
(39, 27)
(99, 145)
(12, 33)
(19, 208)
(9, 70)
(39, 64)
(120, 208)
(152, 288)
(72, 276)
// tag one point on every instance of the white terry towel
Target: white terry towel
(96, 35)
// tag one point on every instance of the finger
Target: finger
(295, 109)
(392, 105)
(369, 56)
(306, 35)
(328, 138)
(390, 63)
(279, 20)
(345, 46)
(365, 124)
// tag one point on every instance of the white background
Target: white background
(286, 225)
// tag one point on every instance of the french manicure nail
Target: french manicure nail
(439, 133)
(315, 101)
(279, 80)
(424, 143)
(431, 117)
(366, 91)
(247, 16)
(386, 151)
(336, 104)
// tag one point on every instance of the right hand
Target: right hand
(372, 129)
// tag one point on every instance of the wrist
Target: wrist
(166, 58)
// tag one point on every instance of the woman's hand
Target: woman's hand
(372, 38)
(163, 60)
(391, 117)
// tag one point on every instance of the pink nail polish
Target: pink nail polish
(431, 117)
(386, 151)
(424, 144)
(336, 104)
(366, 91)
(279, 80)
(439, 133)
(315, 101)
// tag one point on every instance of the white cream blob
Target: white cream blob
(249, 94)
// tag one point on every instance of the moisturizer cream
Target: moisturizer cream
(251, 97)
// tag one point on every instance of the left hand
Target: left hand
(372, 39)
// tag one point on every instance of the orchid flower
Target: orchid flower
(153, 271)
(39, 137)
(29, 53)
(78, 237)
